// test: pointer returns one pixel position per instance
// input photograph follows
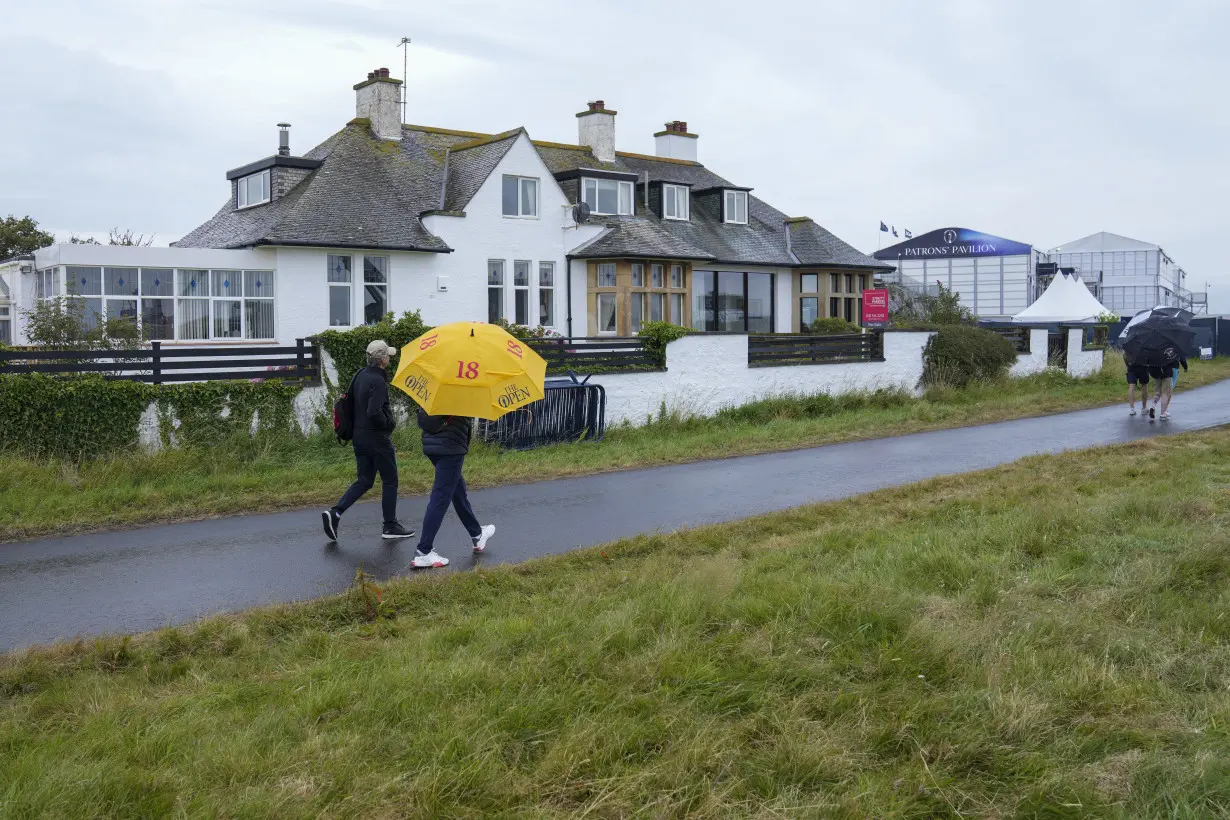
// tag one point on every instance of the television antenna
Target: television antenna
(404, 45)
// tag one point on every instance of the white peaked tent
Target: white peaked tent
(1066, 300)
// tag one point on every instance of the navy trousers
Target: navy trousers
(449, 488)
(373, 453)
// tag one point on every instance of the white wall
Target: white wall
(1082, 363)
(1035, 361)
(708, 372)
(484, 233)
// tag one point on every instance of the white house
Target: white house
(384, 216)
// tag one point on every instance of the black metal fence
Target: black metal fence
(588, 354)
(570, 411)
(160, 365)
(782, 349)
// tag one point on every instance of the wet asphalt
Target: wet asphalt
(136, 580)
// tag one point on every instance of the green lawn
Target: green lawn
(1048, 639)
(38, 498)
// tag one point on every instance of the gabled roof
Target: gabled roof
(470, 163)
(1104, 241)
(813, 245)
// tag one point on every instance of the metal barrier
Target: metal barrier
(570, 411)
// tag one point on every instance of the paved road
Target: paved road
(147, 578)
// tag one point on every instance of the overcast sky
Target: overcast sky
(1038, 120)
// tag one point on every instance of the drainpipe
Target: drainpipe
(568, 288)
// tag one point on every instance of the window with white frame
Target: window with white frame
(252, 190)
(227, 298)
(606, 275)
(521, 292)
(47, 283)
(546, 294)
(638, 275)
(675, 201)
(341, 278)
(86, 283)
(735, 211)
(657, 278)
(495, 290)
(375, 288)
(6, 325)
(520, 196)
(258, 304)
(606, 312)
(611, 197)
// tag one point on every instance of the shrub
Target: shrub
(526, 333)
(348, 348)
(833, 326)
(941, 308)
(657, 335)
(61, 324)
(959, 354)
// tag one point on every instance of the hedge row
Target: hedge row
(89, 416)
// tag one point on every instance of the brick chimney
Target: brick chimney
(596, 129)
(378, 98)
(675, 142)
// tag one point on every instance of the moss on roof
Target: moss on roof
(449, 132)
(652, 158)
(487, 140)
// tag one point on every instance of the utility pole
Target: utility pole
(405, 71)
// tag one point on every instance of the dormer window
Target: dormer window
(735, 210)
(609, 197)
(675, 202)
(252, 190)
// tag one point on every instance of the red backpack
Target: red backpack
(343, 415)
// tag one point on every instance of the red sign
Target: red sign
(875, 308)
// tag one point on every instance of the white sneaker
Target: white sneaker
(1132, 411)
(429, 561)
(480, 543)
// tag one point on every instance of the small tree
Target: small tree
(62, 324)
(116, 237)
(21, 236)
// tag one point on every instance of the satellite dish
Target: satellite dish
(580, 212)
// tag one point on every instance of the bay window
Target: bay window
(675, 202)
(735, 207)
(608, 197)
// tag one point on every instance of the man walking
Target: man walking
(446, 440)
(1137, 374)
(373, 444)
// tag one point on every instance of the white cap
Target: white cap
(381, 348)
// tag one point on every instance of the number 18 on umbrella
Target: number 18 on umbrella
(470, 369)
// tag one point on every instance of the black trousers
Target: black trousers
(449, 488)
(373, 453)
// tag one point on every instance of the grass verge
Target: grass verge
(38, 498)
(1047, 639)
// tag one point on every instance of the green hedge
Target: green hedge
(348, 348)
(960, 354)
(833, 326)
(89, 416)
(657, 335)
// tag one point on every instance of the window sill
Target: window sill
(676, 219)
(214, 342)
(252, 205)
(530, 218)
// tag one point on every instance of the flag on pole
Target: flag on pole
(894, 230)
(883, 227)
(908, 235)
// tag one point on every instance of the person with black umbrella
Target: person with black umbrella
(1165, 377)
(1156, 338)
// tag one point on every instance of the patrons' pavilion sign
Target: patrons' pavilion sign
(953, 243)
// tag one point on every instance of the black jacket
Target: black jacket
(445, 435)
(371, 402)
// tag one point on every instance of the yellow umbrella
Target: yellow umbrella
(470, 369)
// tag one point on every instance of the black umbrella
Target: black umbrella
(1177, 313)
(1158, 338)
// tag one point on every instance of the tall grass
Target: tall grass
(1047, 639)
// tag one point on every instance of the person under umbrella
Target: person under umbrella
(1156, 338)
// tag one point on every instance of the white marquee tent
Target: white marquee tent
(1066, 300)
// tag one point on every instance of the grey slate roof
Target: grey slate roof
(813, 245)
(372, 193)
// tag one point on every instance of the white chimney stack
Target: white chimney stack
(675, 142)
(378, 98)
(596, 129)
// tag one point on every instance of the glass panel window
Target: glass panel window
(736, 207)
(495, 290)
(546, 294)
(760, 303)
(703, 315)
(228, 318)
(258, 318)
(253, 189)
(809, 309)
(258, 284)
(158, 318)
(375, 288)
(849, 283)
(638, 275)
(125, 309)
(607, 196)
(834, 283)
(674, 202)
(84, 281)
(809, 283)
(227, 283)
(862, 282)
(606, 275)
(340, 276)
(676, 308)
(157, 282)
(657, 307)
(834, 308)
(638, 312)
(656, 278)
(193, 283)
(193, 319)
(676, 276)
(121, 282)
(731, 303)
(521, 292)
(519, 196)
(606, 313)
